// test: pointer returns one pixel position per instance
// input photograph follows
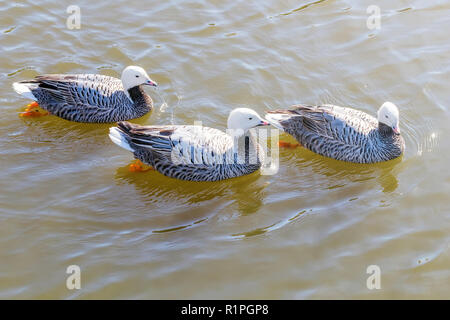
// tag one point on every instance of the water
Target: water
(67, 197)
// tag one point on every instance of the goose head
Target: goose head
(242, 119)
(133, 76)
(388, 115)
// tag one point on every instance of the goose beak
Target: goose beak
(151, 83)
(263, 123)
(396, 130)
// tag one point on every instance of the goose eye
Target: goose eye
(137, 76)
(250, 118)
(386, 117)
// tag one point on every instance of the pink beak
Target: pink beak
(264, 123)
(396, 130)
(151, 83)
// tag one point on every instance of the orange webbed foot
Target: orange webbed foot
(138, 166)
(289, 145)
(32, 105)
(33, 110)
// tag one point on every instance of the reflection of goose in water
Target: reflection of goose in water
(188, 203)
(354, 173)
(55, 129)
(56, 138)
(340, 174)
(58, 134)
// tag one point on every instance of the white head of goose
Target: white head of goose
(388, 115)
(134, 76)
(242, 119)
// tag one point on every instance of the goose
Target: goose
(343, 133)
(196, 153)
(90, 97)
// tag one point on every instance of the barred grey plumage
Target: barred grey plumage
(193, 153)
(343, 133)
(90, 97)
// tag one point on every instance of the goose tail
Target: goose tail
(24, 89)
(120, 138)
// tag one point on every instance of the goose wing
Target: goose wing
(180, 144)
(84, 91)
(344, 125)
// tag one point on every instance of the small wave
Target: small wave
(303, 7)
(274, 226)
(420, 136)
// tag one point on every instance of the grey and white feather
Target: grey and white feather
(91, 97)
(343, 133)
(196, 153)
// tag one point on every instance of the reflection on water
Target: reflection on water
(309, 231)
(339, 174)
(158, 189)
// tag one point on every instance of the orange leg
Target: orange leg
(33, 110)
(138, 166)
(289, 145)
